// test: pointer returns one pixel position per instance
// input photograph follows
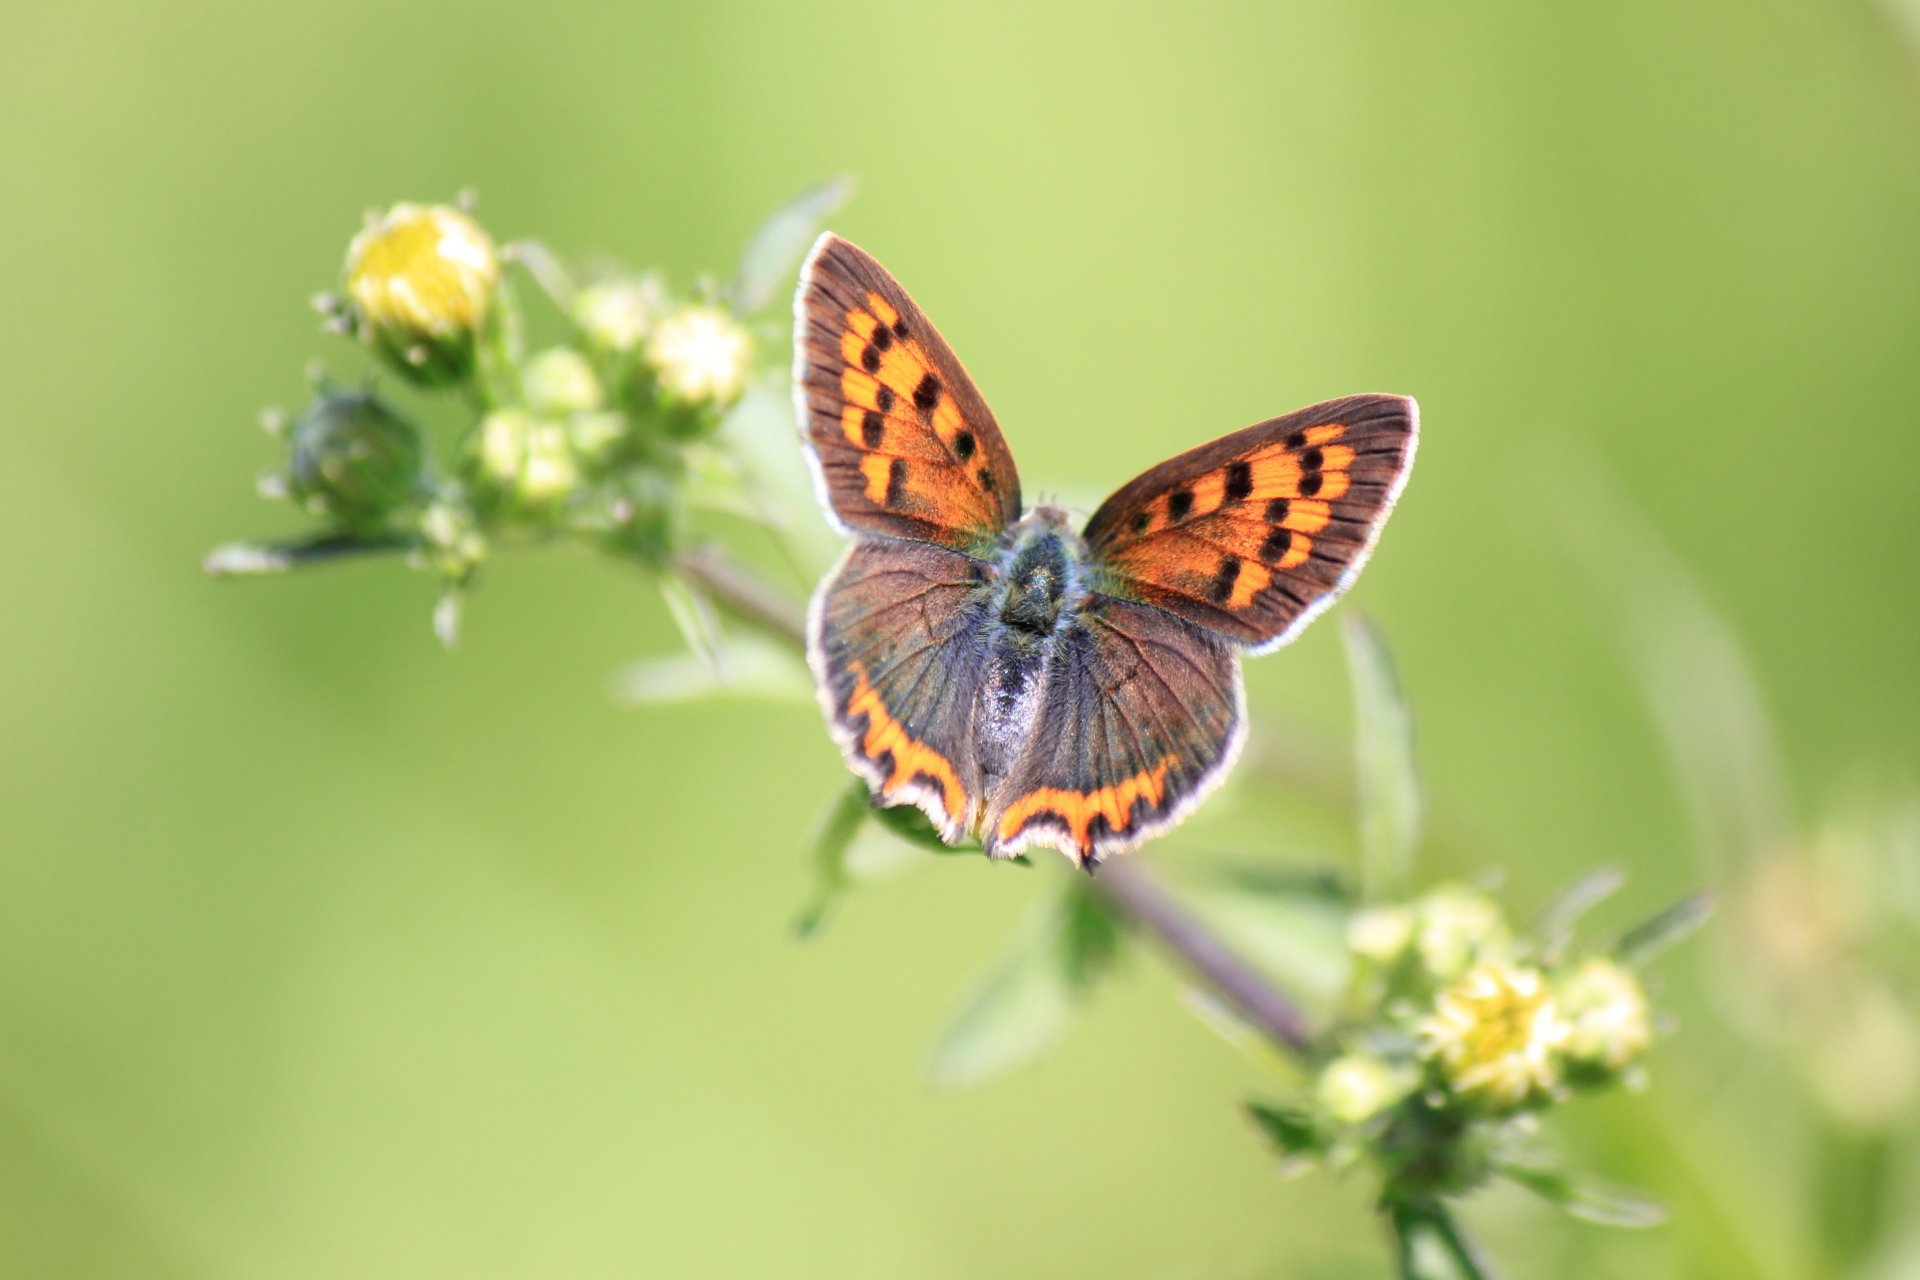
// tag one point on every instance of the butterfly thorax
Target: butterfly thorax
(1041, 575)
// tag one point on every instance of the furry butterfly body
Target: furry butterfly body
(1016, 679)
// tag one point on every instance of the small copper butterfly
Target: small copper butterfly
(1015, 679)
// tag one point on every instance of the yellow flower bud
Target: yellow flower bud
(1495, 1034)
(421, 282)
(701, 356)
(1605, 1008)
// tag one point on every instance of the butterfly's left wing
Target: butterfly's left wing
(900, 440)
(1253, 535)
(1141, 714)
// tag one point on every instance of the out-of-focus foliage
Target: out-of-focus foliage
(326, 953)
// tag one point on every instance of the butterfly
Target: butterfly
(1016, 679)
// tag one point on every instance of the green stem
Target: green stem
(1415, 1221)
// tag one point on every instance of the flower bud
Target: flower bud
(560, 381)
(1494, 1034)
(616, 315)
(454, 543)
(1380, 934)
(1454, 927)
(421, 282)
(354, 459)
(701, 356)
(524, 458)
(1356, 1087)
(1605, 1008)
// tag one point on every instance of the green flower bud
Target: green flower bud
(1608, 1018)
(354, 459)
(1455, 927)
(1380, 934)
(454, 543)
(1356, 1087)
(701, 357)
(560, 381)
(615, 316)
(525, 459)
(421, 283)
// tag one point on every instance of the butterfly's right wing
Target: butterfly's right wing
(900, 440)
(896, 640)
(1142, 714)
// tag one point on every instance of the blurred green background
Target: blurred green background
(324, 952)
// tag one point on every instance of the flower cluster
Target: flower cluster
(594, 436)
(1457, 1031)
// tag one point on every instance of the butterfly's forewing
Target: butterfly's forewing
(1253, 535)
(893, 638)
(900, 439)
(1142, 714)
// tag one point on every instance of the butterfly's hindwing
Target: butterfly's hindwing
(893, 638)
(1141, 714)
(900, 439)
(1254, 534)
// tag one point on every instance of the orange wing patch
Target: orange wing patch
(912, 759)
(903, 441)
(1078, 809)
(1257, 529)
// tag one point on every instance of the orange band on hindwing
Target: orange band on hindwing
(911, 757)
(1078, 809)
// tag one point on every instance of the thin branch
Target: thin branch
(1128, 888)
(744, 592)
(1137, 894)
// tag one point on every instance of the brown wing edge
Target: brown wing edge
(974, 407)
(1217, 453)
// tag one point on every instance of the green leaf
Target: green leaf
(699, 626)
(1555, 926)
(1588, 1199)
(831, 844)
(767, 263)
(756, 669)
(1291, 1130)
(1389, 786)
(1648, 939)
(1029, 998)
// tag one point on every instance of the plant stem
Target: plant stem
(1135, 893)
(1412, 1221)
(1127, 888)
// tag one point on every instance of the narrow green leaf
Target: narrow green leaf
(832, 841)
(1389, 786)
(1030, 996)
(1648, 939)
(1290, 1129)
(1555, 926)
(757, 669)
(767, 263)
(699, 626)
(1588, 1199)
